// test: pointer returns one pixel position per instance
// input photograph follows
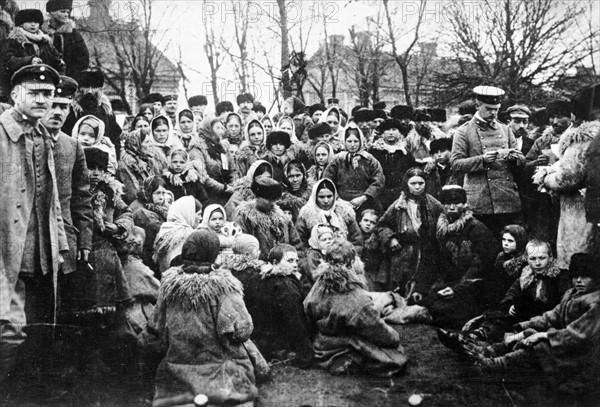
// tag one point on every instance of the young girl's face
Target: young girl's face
(143, 126)
(352, 143)
(178, 164)
(325, 199)
(215, 222)
(86, 135)
(333, 122)
(31, 27)
(509, 244)
(148, 114)
(321, 156)
(268, 126)
(278, 149)
(295, 178)
(186, 125)
(391, 136)
(218, 129)
(325, 240)
(158, 196)
(161, 133)
(416, 185)
(255, 135)
(368, 223)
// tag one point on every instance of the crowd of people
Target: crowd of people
(217, 242)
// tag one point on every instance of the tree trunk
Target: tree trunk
(285, 51)
(405, 85)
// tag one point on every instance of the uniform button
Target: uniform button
(484, 147)
(18, 205)
(16, 220)
(23, 190)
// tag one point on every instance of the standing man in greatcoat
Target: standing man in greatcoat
(32, 234)
(75, 197)
(486, 151)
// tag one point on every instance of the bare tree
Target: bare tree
(128, 51)
(394, 29)
(520, 45)
(237, 47)
(215, 58)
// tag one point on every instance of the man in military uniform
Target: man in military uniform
(485, 150)
(32, 234)
(74, 194)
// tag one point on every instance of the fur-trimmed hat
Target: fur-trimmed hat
(278, 137)
(453, 194)
(91, 78)
(584, 265)
(401, 112)
(363, 115)
(55, 5)
(223, 107)
(319, 129)
(197, 100)
(266, 188)
(29, 15)
(316, 108)
(96, 158)
(245, 98)
(438, 115)
(379, 106)
(558, 107)
(440, 144)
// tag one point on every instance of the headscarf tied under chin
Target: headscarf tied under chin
(200, 251)
(316, 233)
(181, 221)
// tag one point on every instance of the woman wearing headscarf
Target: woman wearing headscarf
(333, 118)
(395, 159)
(242, 190)
(253, 146)
(183, 218)
(408, 234)
(357, 174)
(268, 124)
(134, 166)
(201, 323)
(161, 143)
(297, 189)
(325, 207)
(89, 131)
(323, 155)
(183, 179)
(233, 132)
(151, 215)
(186, 128)
(218, 161)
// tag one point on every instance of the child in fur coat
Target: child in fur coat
(28, 45)
(202, 324)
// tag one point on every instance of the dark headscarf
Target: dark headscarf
(200, 251)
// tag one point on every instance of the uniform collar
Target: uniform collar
(483, 124)
(16, 125)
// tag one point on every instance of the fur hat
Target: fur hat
(421, 115)
(356, 109)
(558, 107)
(364, 115)
(453, 194)
(467, 107)
(440, 144)
(55, 5)
(266, 188)
(202, 246)
(29, 15)
(278, 137)
(539, 118)
(245, 98)
(197, 100)
(258, 107)
(244, 243)
(586, 101)
(223, 107)
(96, 158)
(438, 115)
(91, 78)
(380, 114)
(153, 98)
(389, 124)
(402, 112)
(316, 108)
(319, 129)
(379, 106)
(584, 265)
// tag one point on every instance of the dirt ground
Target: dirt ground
(433, 371)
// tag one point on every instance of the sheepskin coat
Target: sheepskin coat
(348, 329)
(567, 177)
(268, 224)
(200, 320)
